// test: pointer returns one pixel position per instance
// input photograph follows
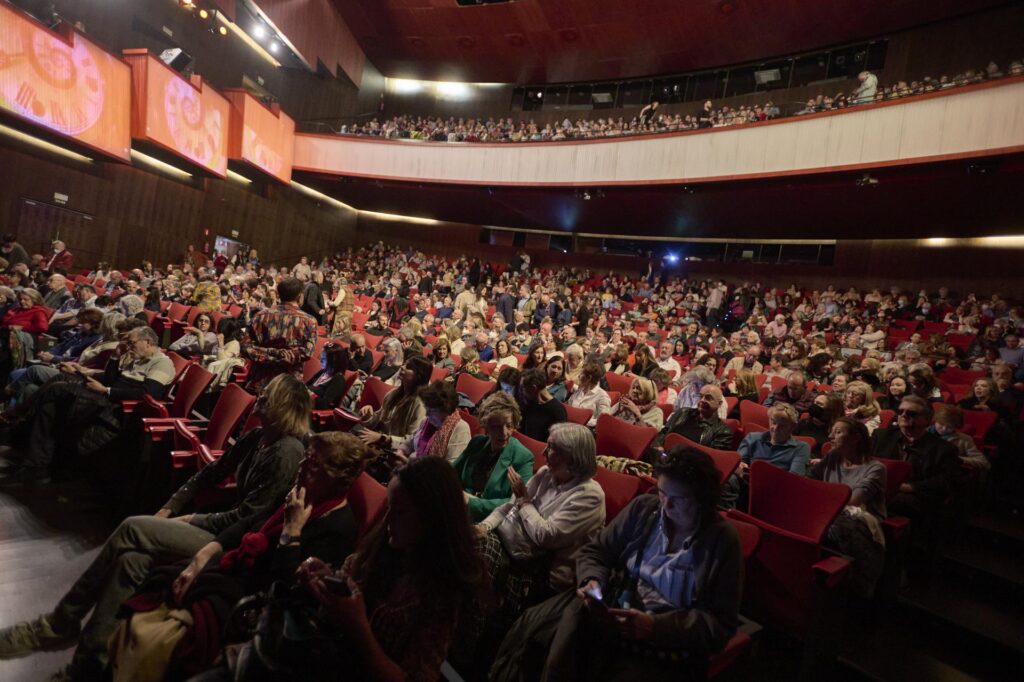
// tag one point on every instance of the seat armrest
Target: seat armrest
(895, 526)
(830, 571)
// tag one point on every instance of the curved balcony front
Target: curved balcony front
(980, 120)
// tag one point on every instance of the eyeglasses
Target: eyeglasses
(908, 413)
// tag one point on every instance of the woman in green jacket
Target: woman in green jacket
(491, 463)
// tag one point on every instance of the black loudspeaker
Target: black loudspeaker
(176, 58)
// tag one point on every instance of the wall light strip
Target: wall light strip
(247, 39)
(991, 241)
(157, 164)
(401, 218)
(42, 144)
(238, 177)
(309, 191)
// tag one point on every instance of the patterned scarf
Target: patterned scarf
(433, 441)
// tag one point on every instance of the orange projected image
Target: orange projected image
(65, 84)
(190, 120)
(261, 136)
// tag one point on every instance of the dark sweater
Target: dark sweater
(263, 475)
(539, 417)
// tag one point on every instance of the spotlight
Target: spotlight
(223, 30)
(203, 14)
(274, 47)
(259, 32)
(671, 258)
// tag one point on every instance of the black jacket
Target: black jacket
(712, 433)
(934, 462)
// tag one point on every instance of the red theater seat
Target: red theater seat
(619, 439)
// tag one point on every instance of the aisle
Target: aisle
(48, 536)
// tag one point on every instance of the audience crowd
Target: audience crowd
(649, 120)
(501, 551)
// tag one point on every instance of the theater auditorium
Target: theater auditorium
(511, 340)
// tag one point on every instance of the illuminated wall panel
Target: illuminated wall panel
(261, 136)
(187, 118)
(64, 83)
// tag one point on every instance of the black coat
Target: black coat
(934, 462)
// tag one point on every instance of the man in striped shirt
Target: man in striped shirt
(279, 339)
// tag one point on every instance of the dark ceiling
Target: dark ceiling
(958, 198)
(537, 41)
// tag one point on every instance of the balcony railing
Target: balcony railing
(979, 120)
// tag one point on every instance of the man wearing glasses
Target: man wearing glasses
(933, 461)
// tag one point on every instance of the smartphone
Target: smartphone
(336, 585)
(597, 597)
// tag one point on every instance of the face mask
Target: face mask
(816, 411)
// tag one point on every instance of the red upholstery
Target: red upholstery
(487, 367)
(475, 389)
(955, 375)
(978, 422)
(725, 461)
(372, 342)
(369, 500)
(474, 424)
(179, 363)
(896, 473)
(731, 402)
(666, 411)
(885, 418)
(618, 382)
(193, 383)
(373, 393)
(619, 490)
(619, 439)
(797, 504)
(752, 413)
(439, 373)
(578, 415)
(737, 431)
(536, 447)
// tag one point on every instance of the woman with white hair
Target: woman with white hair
(640, 405)
(394, 357)
(529, 543)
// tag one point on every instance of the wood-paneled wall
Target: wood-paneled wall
(862, 263)
(143, 215)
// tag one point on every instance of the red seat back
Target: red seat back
(578, 415)
(234, 403)
(618, 382)
(193, 383)
(179, 363)
(372, 342)
(373, 393)
(439, 373)
(619, 439)
(536, 447)
(725, 461)
(752, 413)
(794, 503)
(978, 422)
(619, 490)
(475, 389)
(955, 375)
(369, 500)
(177, 311)
(779, 580)
(897, 471)
(885, 418)
(474, 424)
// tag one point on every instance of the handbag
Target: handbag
(291, 639)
